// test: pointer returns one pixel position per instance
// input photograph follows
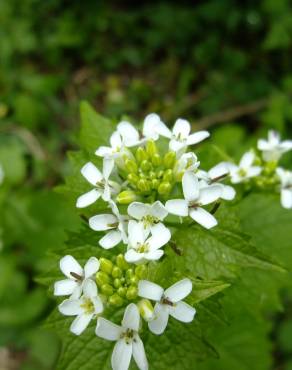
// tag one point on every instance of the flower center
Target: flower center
(87, 306)
(167, 301)
(76, 276)
(142, 248)
(242, 172)
(128, 335)
(149, 220)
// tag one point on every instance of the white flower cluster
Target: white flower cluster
(142, 189)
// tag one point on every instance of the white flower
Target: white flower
(286, 187)
(245, 170)
(115, 223)
(180, 136)
(127, 339)
(141, 247)
(214, 175)
(195, 197)
(273, 148)
(116, 149)
(186, 162)
(85, 308)
(168, 302)
(1, 175)
(131, 136)
(103, 187)
(76, 276)
(148, 215)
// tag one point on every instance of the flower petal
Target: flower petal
(179, 290)
(89, 288)
(163, 130)
(138, 210)
(139, 353)
(158, 210)
(108, 165)
(197, 137)
(80, 323)
(177, 207)
(228, 192)
(209, 194)
(88, 198)
(181, 128)
(64, 287)
(107, 330)
(254, 171)
(154, 255)
(150, 126)
(202, 217)
(218, 171)
(159, 323)
(176, 145)
(132, 256)
(160, 236)
(131, 319)
(182, 312)
(91, 267)
(116, 140)
(91, 173)
(286, 198)
(102, 222)
(147, 289)
(69, 264)
(247, 160)
(104, 151)
(137, 233)
(190, 186)
(98, 305)
(121, 356)
(111, 239)
(71, 307)
(129, 133)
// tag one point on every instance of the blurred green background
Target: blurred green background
(224, 65)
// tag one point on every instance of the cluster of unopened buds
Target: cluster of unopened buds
(149, 181)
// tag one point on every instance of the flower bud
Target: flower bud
(116, 300)
(106, 265)
(122, 291)
(102, 278)
(107, 289)
(143, 185)
(131, 166)
(155, 183)
(121, 262)
(117, 283)
(152, 175)
(169, 159)
(168, 175)
(129, 274)
(164, 188)
(117, 272)
(145, 165)
(141, 271)
(132, 293)
(146, 309)
(134, 280)
(141, 154)
(151, 148)
(133, 178)
(160, 174)
(126, 197)
(156, 159)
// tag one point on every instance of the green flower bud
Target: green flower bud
(164, 188)
(106, 265)
(160, 174)
(126, 197)
(134, 280)
(152, 175)
(168, 175)
(169, 159)
(146, 309)
(141, 271)
(132, 293)
(116, 300)
(102, 278)
(107, 289)
(131, 166)
(143, 185)
(155, 183)
(129, 274)
(117, 283)
(133, 178)
(122, 291)
(141, 155)
(145, 165)
(151, 148)
(156, 159)
(121, 262)
(117, 272)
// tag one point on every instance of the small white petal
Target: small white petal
(182, 311)
(91, 267)
(89, 288)
(228, 192)
(104, 151)
(202, 217)
(197, 137)
(137, 233)
(190, 186)
(91, 173)
(158, 210)
(69, 264)
(286, 198)
(77, 291)
(254, 171)
(160, 236)
(88, 198)
(98, 305)
(286, 145)
(159, 323)
(108, 165)
(150, 126)
(116, 140)
(163, 130)
(64, 287)
(71, 307)
(177, 207)
(179, 290)
(247, 160)
(263, 145)
(132, 256)
(154, 255)
(177, 146)
(121, 356)
(138, 210)
(129, 133)
(80, 323)
(107, 329)
(147, 289)
(218, 171)
(102, 222)
(181, 128)
(210, 194)
(111, 239)
(139, 353)
(131, 319)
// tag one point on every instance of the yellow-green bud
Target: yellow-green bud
(117, 272)
(141, 154)
(145, 165)
(134, 280)
(160, 173)
(126, 197)
(133, 178)
(121, 262)
(156, 159)
(129, 274)
(132, 293)
(151, 148)
(131, 166)
(169, 159)
(168, 175)
(146, 309)
(122, 291)
(107, 289)
(106, 265)
(117, 283)
(152, 175)
(164, 188)
(102, 278)
(155, 183)
(116, 300)
(143, 185)
(141, 271)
